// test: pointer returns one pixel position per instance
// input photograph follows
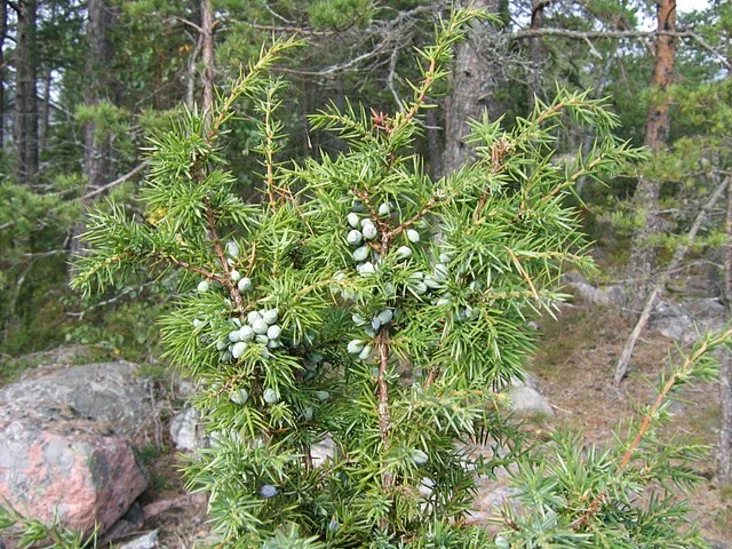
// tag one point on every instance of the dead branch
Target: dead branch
(621, 368)
(623, 34)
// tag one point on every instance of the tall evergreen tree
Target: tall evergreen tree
(97, 96)
(476, 77)
(643, 251)
(26, 107)
(3, 32)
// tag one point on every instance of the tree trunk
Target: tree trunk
(207, 23)
(191, 75)
(433, 143)
(96, 145)
(475, 80)
(536, 50)
(643, 254)
(725, 433)
(26, 110)
(3, 32)
(45, 113)
(725, 376)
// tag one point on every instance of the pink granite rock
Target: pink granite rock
(68, 469)
(56, 461)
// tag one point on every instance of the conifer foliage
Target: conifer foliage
(363, 302)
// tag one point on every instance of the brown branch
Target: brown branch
(289, 29)
(269, 178)
(192, 268)
(536, 12)
(499, 149)
(550, 111)
(207, 21)
(431, 203)
(434, 372)
(430, 77)
(621, 34)
(523, 273)
(126, 177)
(226, 279)
(252, 257)
(648, 418)
(363, 196)
(187, 22)
(307, 456)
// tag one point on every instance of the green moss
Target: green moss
(11, 368)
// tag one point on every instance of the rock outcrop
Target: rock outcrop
(64, 450)
(186, 430)
(684, 321)
(109, 393)
(587, 293)
(525, 398)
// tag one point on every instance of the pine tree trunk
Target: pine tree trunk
(725, 433)
(26, 109)
(191, 75)
(433, 143)
(643, 254)
(207, 23)
(3, 32)
(45, 113)
(536, 49)
(475, 80)
(725, 377)
(96, 145)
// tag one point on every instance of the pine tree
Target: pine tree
(364, 302)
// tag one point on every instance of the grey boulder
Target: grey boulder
(62, 453)
(525, 398)
(186, 430)
(111, 393)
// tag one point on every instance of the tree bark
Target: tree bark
(433, 143)
(96, 145)
(643, 254)
(536, 50)
(26, 109)
(191, 74)
(45, 113)
(725, 433)
(3, 32)
(475, 80)
(207, 24)
(724, 471)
